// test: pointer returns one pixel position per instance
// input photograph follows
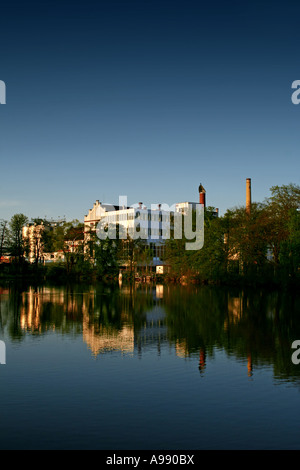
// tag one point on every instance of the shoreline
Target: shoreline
(64, 279)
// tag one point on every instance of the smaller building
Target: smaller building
(5, 259)
(32, 235)
(53, 257)
(37, 250)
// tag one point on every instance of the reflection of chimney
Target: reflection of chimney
(202, 361)
(202, 195)
(248, 195)
(249, 365)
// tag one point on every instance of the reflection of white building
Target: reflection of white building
(107, 339)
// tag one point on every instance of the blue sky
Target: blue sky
(146, 99)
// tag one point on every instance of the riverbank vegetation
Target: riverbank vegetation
(256, 246)
(259, 246)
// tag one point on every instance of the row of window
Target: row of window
(152, 232)
(142, 216)
(155, 217)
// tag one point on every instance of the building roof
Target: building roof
(112, 207)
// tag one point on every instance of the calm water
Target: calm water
(98, 367)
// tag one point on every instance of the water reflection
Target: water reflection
(255, 328)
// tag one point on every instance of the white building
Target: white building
(151, 225)
(183, 207)
(137, 222)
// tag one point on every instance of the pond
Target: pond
(148, 367)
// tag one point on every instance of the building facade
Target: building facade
(150, 225)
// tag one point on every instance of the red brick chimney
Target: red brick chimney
(202, 195)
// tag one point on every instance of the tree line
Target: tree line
(260, 245)
(63, 250)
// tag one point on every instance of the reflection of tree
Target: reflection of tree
(195, 317)
(266, 330)
(113, 319)
(257, 327)
(101, 311)
(41, 309)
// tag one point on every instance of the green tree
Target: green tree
(289, 257)
(134, 251)
(204, 263)
(106, 257)
(246, 238)
(17, 245)
(210, 263)
(106, 254)
(262, 240)
(68, 237)
(280, 206)
(48, 237)
(3, 237)
(37, 239)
